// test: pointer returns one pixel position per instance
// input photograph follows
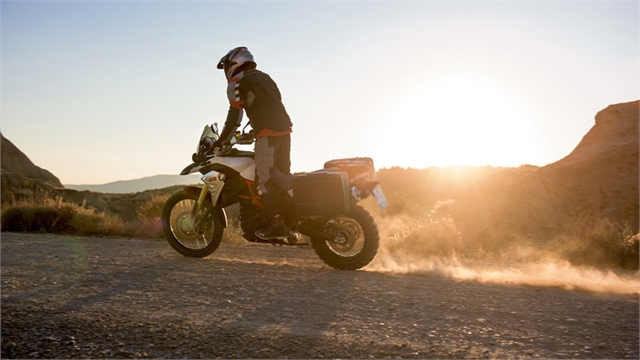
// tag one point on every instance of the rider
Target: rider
(254, 91)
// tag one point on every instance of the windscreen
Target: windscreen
(208, 137)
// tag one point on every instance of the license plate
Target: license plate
(379, 195)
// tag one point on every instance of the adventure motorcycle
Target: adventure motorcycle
(321, 204)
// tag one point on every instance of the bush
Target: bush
(599, 242)
(57, 216)
(148, 224)
(90, 223)
(38, 218)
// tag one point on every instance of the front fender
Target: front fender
(218, 212)
(221, 214)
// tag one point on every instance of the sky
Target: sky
(97, 92)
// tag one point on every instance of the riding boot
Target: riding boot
(277, 230)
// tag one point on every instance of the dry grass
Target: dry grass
(54, 215)
(434, 233)
(148, 223)
(598, 242)
(57, 216)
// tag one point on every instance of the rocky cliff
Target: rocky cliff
(21, 178)
(598, 179)
(13, 161)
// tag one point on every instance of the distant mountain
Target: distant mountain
(142, 184)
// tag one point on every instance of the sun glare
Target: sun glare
(464, 121)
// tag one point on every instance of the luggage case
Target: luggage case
(358, 169)
(321, 193)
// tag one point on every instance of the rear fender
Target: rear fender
(364, 184)
(362, 188)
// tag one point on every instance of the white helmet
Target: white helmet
(234, 59)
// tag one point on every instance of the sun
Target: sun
(460, 121)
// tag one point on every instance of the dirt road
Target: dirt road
(66, 297)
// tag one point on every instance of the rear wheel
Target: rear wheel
(355, 240)
(194, 236)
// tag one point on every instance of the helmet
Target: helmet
(234, 59)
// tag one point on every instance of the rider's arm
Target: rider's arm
(234, 116)
(234, 120)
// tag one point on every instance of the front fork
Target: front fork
(199, 203)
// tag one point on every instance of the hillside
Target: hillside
(15, 163)
(598, 180)
(600, 177)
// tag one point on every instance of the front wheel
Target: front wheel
(193, 236)
(355, 240)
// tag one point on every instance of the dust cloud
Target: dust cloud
(433, 245)
(547, 274)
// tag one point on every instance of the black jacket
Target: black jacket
(256, 93)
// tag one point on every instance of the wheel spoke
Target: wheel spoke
(191, 233)
(348, 236)
(354, 240)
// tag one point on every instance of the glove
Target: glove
(222, 147)
(218, 144)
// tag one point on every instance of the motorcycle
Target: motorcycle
(322, 204)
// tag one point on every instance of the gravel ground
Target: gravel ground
(78, 297)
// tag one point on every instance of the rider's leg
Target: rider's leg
(268, 154)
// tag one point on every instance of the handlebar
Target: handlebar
(243, 138)
(210, 133)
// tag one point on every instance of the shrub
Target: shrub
(435, 234)
(90, 223)
(38, 218)
(57, 216)
(148, 224)
(599, 242)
